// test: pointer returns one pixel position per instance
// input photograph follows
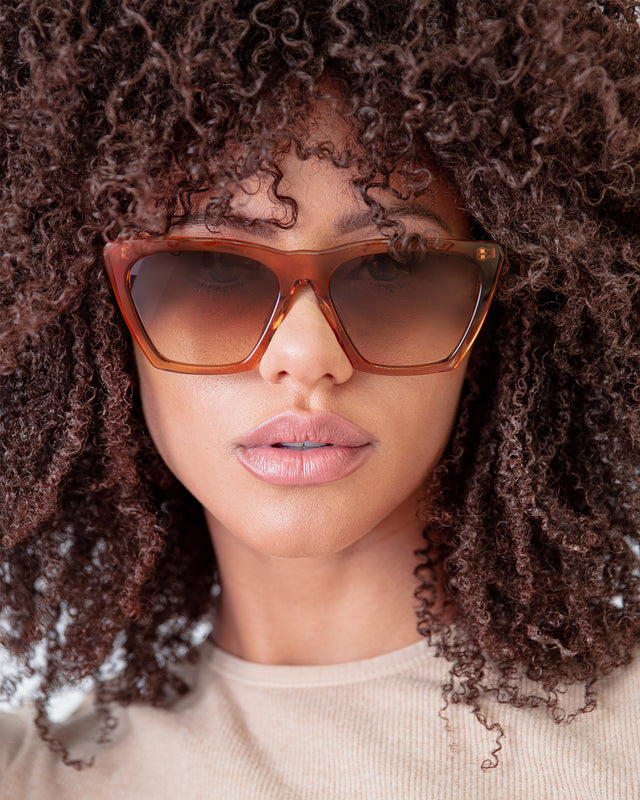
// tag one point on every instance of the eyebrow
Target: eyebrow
(355, 220)
(348, 222)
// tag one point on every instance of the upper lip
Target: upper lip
(324, 426)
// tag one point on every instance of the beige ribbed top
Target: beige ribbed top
(368, 730)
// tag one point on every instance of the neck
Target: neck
(346, 606)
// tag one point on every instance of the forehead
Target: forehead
(320, 187)
(313, 203)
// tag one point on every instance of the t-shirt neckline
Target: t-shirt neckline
(235, 668)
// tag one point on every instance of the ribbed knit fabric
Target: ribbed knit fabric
(368, 730)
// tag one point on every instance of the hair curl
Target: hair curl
(532, 108)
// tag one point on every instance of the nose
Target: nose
(304, 348)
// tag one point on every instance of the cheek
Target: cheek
(420, 418)
(178, 412)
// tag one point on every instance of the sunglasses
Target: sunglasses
(211, 306)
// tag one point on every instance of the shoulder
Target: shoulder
(13, 733)
(105, 764)
(139, 752)
(618, 694)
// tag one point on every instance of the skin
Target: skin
(323, 573)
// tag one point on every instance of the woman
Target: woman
(415, 555)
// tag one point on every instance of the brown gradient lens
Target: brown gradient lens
(203, 307)
(406, 312)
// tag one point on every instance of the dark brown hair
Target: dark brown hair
(114, 113)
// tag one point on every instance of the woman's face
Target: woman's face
(216, 433)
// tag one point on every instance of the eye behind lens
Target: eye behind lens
(406, 312)
(206, 308)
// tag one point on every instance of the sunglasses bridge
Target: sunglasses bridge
(285, 304)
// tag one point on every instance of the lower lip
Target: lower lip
(288, 467)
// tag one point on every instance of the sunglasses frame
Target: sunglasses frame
(296, 269)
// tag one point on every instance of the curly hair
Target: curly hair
(114, 114)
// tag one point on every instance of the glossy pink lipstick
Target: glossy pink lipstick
(295, 450)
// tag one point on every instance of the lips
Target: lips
(297, 450)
